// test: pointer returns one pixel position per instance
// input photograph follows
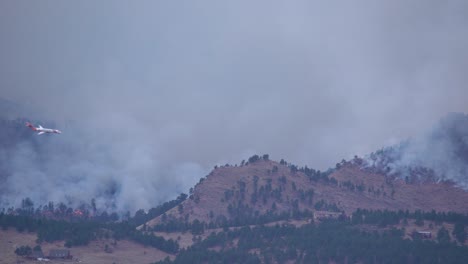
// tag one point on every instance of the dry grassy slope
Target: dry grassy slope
(423, 196)
(211, 192)
(122, 252)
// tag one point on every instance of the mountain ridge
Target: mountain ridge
(267, 187)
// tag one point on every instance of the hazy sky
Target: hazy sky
(208, 82)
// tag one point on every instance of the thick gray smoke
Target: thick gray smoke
(440, 154)
(74, 168)
(161, 91)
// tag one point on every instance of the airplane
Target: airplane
(42, 130)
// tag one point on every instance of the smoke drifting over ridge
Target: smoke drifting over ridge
(166, 90)
(440, 154)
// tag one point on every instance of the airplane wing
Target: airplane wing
(40, 126)
(40, 133)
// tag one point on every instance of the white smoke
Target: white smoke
(163, 90)
(441, 153)
(75, 167)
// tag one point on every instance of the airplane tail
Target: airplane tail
(30, 126)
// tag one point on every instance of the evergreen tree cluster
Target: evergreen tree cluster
(331, 241)
(141, 217)
(23, 251)
(82, 232)
(385, 217)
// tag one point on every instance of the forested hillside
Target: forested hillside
(261, 191)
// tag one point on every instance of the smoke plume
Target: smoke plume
(440, 154)
(150, 95)
(76, 167)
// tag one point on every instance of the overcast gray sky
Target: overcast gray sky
(208, 82)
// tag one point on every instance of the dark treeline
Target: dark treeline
(141, 217)
(82, 232)
(340, 241)
(193, 255)
(385, 217)
(49, 230)
(242, 216)
(23, 251)
(60, 211)
(312, 174)
(79, 226)
(336, 241)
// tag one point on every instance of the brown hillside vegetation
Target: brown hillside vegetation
(268, 186)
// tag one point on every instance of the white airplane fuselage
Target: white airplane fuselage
(42, 130)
